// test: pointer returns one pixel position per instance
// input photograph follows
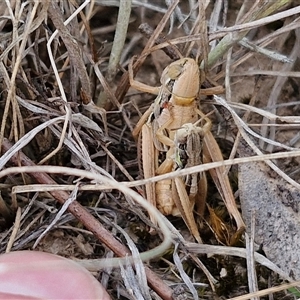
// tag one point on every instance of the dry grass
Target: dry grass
(66, 104)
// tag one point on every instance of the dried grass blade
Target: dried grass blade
(138, 280)
(72, 47)
(183, 274)
(212, 153)
(25, 140)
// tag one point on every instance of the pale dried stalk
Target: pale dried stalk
(235, 251)
(251, 270)
(174, 174)
(15, 230)
(267, 291)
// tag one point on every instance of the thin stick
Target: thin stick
(15, 230)
(267, 291)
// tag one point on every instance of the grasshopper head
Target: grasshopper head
(184, 75)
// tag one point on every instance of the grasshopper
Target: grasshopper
(169, 126)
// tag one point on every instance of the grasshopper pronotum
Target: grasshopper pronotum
(166, 125)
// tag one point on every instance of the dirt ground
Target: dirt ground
(99, 137)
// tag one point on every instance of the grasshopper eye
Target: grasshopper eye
(174, 71)
(171, 73)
